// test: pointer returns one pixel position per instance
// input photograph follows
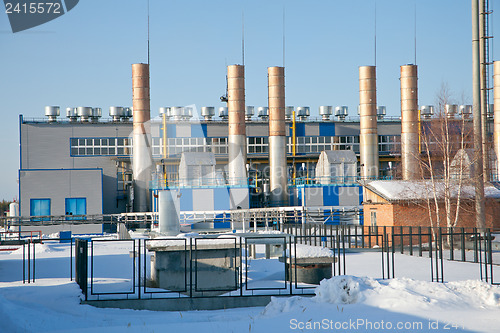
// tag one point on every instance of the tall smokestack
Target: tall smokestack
(141, 159)
(496, 110)
(368, 122)
(277, 136)
(409, 122)
(236, 117)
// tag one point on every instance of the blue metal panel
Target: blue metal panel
(221, 198)
(199, 130)
(186, 199)
(300, 129)
(360, 195)
(327, 129)
(222, 225)
(330, 196)
(171, 131)
(39, 207)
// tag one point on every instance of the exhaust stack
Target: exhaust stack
(368, 122)
(496, 110)
(277, 136)
(409, 122)
(141, 159)
(237, 138)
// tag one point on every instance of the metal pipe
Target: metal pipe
(368, 122)
(484, 86)
(409, 122)
(277, 136)
(476, 96)
(496, 108)
(237, 131)
(142, 158)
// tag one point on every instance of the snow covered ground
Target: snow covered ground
(357, 302)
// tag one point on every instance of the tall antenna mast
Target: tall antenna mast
(375, 29)
(415, 27)
(283, 36)
(148, 32)
(243, 37)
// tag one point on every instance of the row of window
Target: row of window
(72, 206)
(219, 146)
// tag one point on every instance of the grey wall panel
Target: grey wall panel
(217, 130)
(239, 197)
(314, 196)
(258, 129)
(349, 196)
(346, 128)
(59, 185)
(203, 199)
(183, 130)
(389, 128)
(312, 129)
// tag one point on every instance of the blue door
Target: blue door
(40, 207)
(76, 206)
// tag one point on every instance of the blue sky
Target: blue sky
(85, 56)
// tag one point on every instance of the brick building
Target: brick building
(406, 203)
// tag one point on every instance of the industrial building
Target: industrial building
(247, 157)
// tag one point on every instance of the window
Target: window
(75, 206)
(40, 207)
(373, 217)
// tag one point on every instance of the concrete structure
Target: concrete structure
(336, 167)
(216, 265)
(368, 136)
(198, 169)
(237, 155)
(142, 158)
(278, 174)
(410, 150)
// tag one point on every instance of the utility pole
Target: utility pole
(476, 96)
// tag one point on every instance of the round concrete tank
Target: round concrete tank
(249, 111)
(341, 112)
(168, 215)
(288, 112)
(450, 110)
(263, 112)
(426, 111)
(223, 113)
(52, 112)
(207, 112)
(325, 111)
(84, 112)
(13, 209)
(116, 112)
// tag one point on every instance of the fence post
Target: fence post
(401, 239)
(452, 254)
(462, 242)
(419, 241)
(411, 240)
(475, 246)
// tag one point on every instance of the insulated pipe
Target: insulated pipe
(496, 110)
(277, 136)
(236, 118)
(168, 214)
(141, 158)
(368, 140)
(409, 122)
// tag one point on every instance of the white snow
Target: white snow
(309, 251)
(52, 303)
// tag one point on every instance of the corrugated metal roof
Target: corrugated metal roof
(404, 190)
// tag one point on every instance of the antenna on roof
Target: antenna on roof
(283, 35)
(415, 28)
(375, 30)
(148, 32)
(243, 37)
